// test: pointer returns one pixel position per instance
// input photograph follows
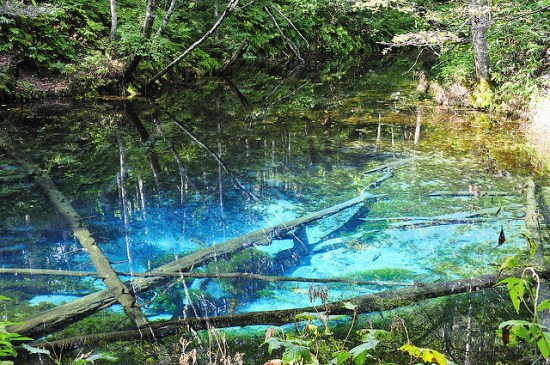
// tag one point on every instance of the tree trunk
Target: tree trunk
(479, 17)
(165, 20)
(147, 29)
(114, 19)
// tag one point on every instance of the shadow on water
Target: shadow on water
(156, 181)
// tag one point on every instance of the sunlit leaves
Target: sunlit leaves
(7, 348)
(530, 332)
(427, 355)
(516, 288)
(532, 245)
(426, 38)
(350, 306)
(341, 357)
(375, 5)
(509, 262)
(361, 353)
(544, 305)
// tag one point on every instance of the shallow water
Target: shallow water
(156, 181)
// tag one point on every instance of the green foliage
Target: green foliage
(310, 345)
(50, 39)
(511, 331)
(523, 291)
(516, 289)
(7, 338)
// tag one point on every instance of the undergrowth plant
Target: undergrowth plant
(7, 349)
(524, 293)
(314, 342)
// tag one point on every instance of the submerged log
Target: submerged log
(454, 218)
(204, 275)
(467, 193)
(386, 300)
(57, 318)
(119, 291)
(458, 215)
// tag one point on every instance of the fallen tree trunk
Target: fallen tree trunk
(119, 291)
(57, 318)
(469, 193)
(205, 275)
(382, 301)
(443, 217)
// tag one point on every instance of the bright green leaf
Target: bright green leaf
(543, 345)
(509, 262)
(544, 305)
(341, 357)
(295, 353)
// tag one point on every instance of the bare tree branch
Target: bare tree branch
(291, 44)
(290, 23)
(228, 9)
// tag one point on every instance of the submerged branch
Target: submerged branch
(453, 218)
(57, 318)
(105, 271)
(390, 165)
(469, 193)
(202, 275)
(386, 300)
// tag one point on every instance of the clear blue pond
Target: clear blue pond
(292, 147)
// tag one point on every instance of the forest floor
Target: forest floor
(43, 85)
(32, 84)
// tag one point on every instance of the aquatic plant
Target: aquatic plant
(385, 274)
(247, 261)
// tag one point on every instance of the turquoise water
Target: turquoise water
(201, 167)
